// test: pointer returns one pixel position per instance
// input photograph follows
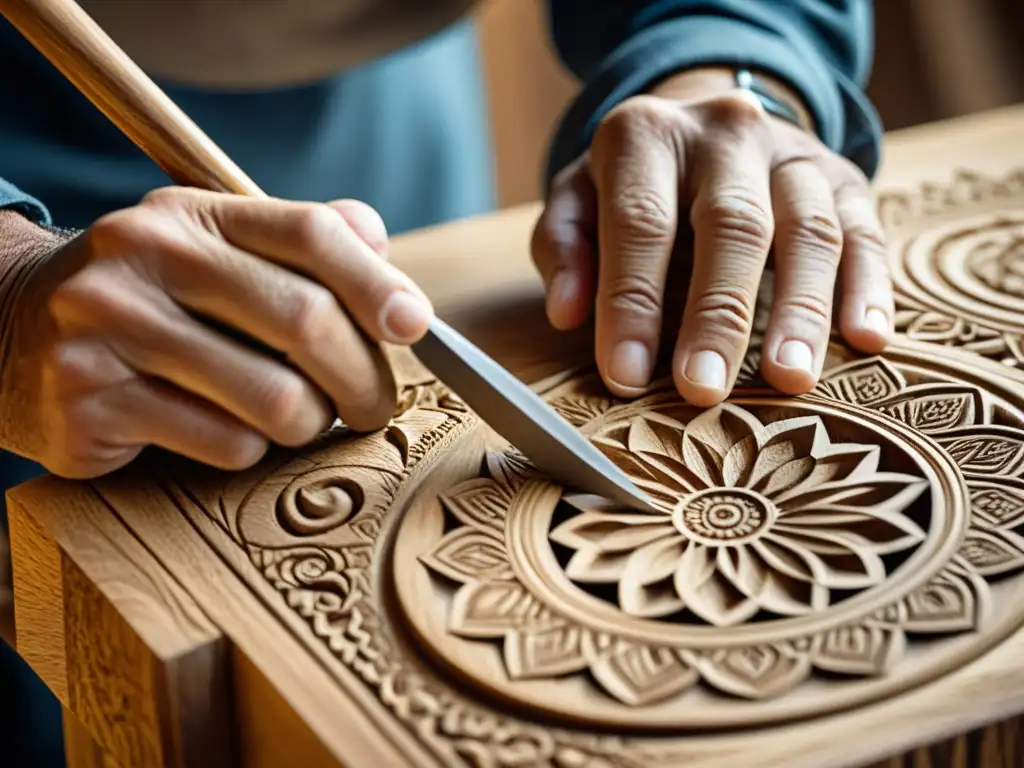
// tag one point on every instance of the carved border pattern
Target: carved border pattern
(966, 194)
(332, 589)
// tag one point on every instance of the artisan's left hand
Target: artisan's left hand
(752, 183)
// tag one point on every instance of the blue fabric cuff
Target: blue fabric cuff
(13, 198)
(846, 121)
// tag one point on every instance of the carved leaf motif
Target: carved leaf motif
(758, 671)
(543, 653)
(490, 609)
(932, 326)
(863, 381)
(465, 554)
(935, 408)
(639, 675)
(605, 541)
(480, 504)
(948, 603)
(986, 450)
(993, 552)
(999, 504)
(860, 649)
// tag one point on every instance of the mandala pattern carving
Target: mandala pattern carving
(957, 255)
(808, 554)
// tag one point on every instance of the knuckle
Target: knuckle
(817, 231)
(316, 228)
(637, 295)
(869, 239)
(728, 310)
(242, 450)
(644, 214)
(735, 108)
(737, 215)
(288, 399)
(811, 308)
(637, 117)
(312, 311)
(117, 231)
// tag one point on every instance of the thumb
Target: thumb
(564, 246)
(365, 222)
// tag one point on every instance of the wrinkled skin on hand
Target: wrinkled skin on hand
(210, 325)
(752, 184)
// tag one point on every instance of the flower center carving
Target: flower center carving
(717, 517)
(771, 519)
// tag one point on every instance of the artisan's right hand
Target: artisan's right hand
(112, 347)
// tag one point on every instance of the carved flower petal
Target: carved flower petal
(887, 489)
(860, 649)
(756, 672)
(778, 444)
(987, 451)
(887, 530)
(492, 608)
(609, 531)
(999, 504)
(992, 551)
(642, 588)
(863, 381)
(465, 554)
(480, 504)
(656, 434)
(543, 653)
(710, 436)
(639, 675)
(837, 559)
(707, 592)
(772, 590)
(849, 463)
(627, 461)
(670, 474)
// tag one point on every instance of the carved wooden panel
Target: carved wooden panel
(830, 580)
(812, 556)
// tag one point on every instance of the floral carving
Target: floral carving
(756, 518)
(960, 283)
(766, 520)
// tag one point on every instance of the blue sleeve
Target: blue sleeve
(822, 49)
(13, 198)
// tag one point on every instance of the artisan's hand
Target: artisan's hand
(751, 182)
(119, 343)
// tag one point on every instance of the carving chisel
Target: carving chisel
(62, 32)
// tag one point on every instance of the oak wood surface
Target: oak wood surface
(300, 687)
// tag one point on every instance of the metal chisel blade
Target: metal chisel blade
(521, 416)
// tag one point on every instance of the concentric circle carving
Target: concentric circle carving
(807, 554)
(957, 259)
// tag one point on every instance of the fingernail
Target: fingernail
(405, 317)
(365, 222)
(630, 364)
(707, 369)
(795, 354)
(876, 321)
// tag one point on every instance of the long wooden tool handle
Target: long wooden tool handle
(77, 46)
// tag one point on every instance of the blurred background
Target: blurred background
(934, 59)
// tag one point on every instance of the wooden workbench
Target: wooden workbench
(419, 597)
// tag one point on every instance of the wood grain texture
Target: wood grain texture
(128, 653)
(335, 572)
(80, 748)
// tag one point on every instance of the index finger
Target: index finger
(636, 173)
